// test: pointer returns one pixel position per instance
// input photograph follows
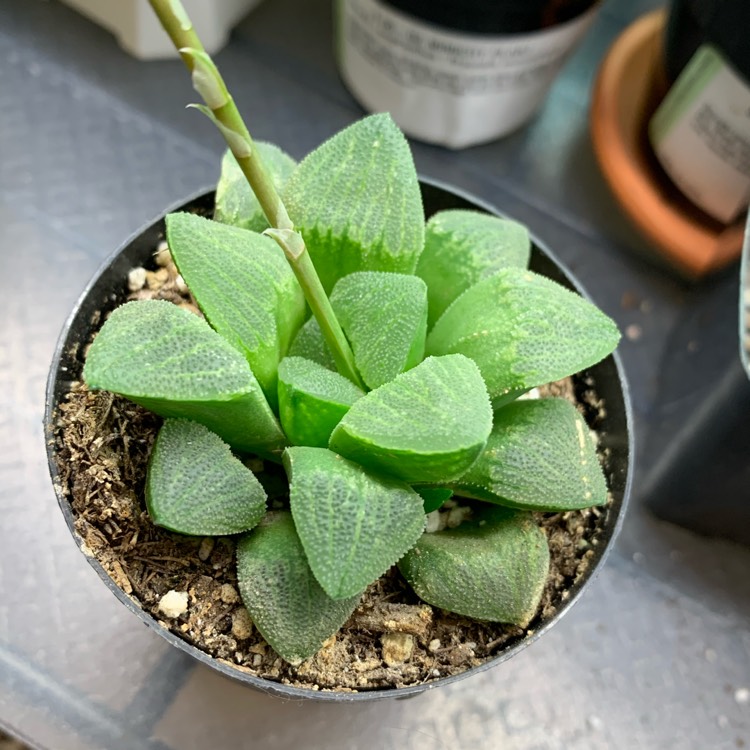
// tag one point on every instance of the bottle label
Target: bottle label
(701, 135)
(448, 87)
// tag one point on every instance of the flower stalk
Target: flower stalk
(222, 111)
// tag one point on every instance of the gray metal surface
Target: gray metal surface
(92, 144)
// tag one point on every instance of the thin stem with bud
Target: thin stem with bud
(221, 109)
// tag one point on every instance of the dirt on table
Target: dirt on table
(189, 584)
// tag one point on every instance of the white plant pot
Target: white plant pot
(446, 86)
(138, 32)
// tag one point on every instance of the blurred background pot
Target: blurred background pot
(108, 289)
(671, 133)
(700, 132)
(138, 31)
(456, 73)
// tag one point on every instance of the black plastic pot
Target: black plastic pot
(107, 290)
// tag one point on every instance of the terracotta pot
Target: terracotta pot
(107, 290)
(629, 87)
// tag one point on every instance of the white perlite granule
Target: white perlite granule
(174, 603)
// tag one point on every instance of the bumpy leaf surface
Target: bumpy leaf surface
(427, 425)
(196, 486)
(357, 202)
(235, 202)
(463, 247)
(523, 330)
(173, 363)
(540, 456)
(312, 400)
(492, 567)
(286, 603)
(245, 287)
(353, 525)
(384, 316)
(310, 344)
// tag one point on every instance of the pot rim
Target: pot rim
(237, 672)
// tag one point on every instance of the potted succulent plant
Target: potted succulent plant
(372, 466)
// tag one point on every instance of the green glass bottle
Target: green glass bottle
(722, 23)
(701, 131)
